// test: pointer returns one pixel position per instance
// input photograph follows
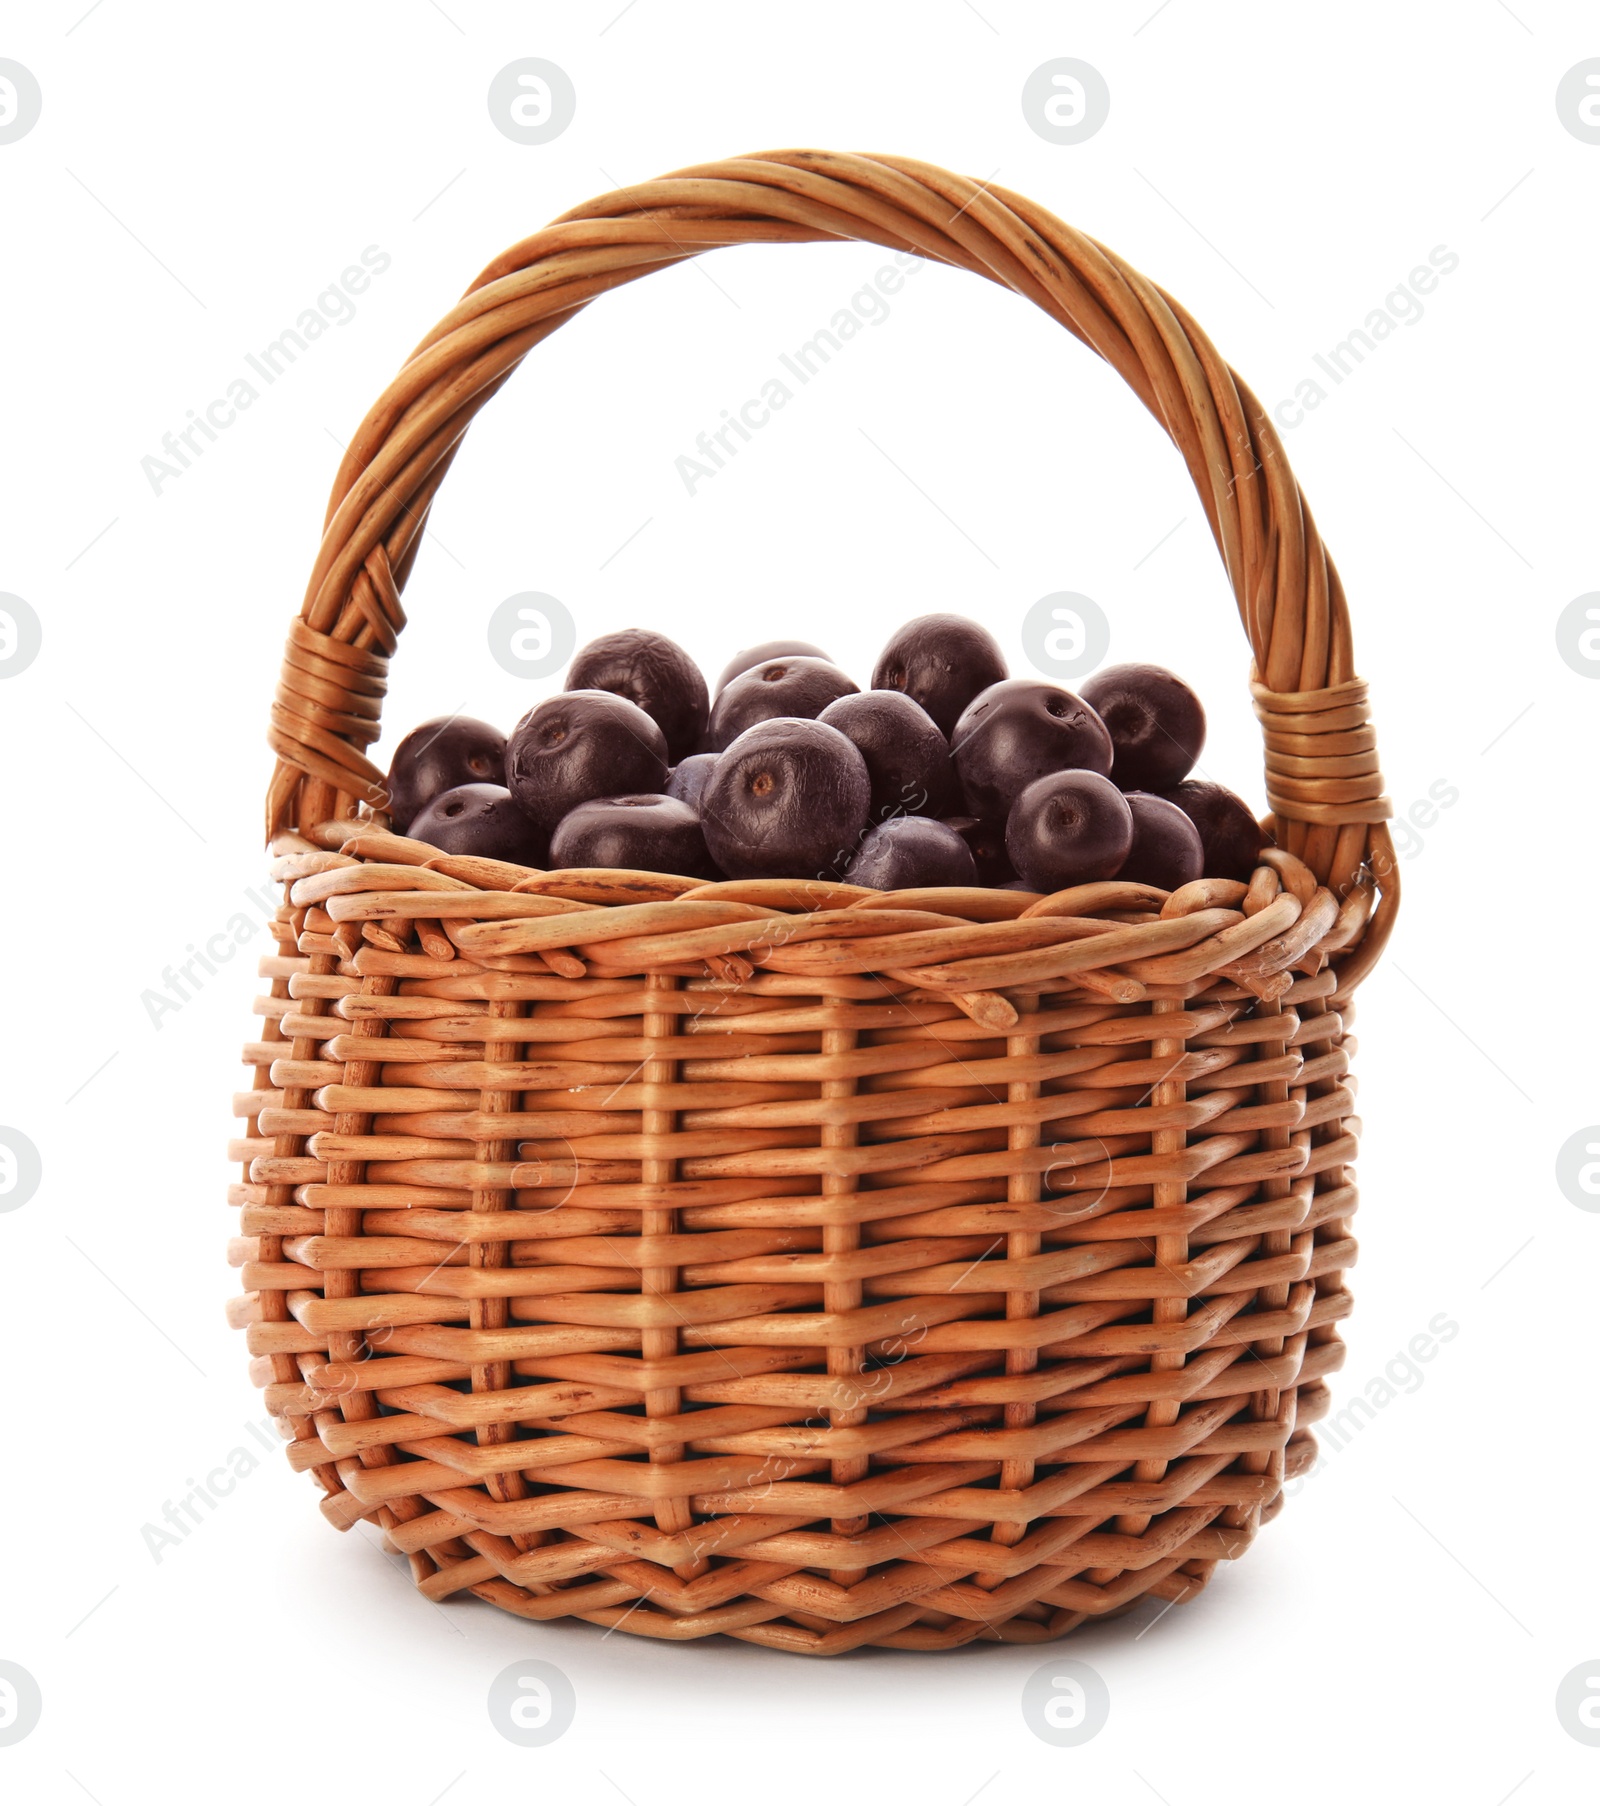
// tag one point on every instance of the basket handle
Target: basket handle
(1322, 778)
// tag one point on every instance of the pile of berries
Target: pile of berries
(946, 772)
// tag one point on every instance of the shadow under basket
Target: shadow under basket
(812, 1265)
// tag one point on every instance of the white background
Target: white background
(198, 176)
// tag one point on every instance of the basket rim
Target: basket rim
(970, 943)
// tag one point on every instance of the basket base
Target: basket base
(897, 1628)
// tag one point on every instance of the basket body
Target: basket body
(817, 1266)
(804, 1303)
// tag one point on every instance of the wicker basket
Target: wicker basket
(813, 1265)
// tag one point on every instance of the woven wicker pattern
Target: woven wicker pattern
(815, 1265)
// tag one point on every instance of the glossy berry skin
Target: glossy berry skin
(941, 662)
(986, 841)
(1230, 838)
(575, 747)
(912, 853)
(799, 688)
(788, 799)
(482, 819)
(438, 756)
(636, 833)
(656, 675)
(1018, 731)
(1155, 720)
(1166, 850)
(1073, 827)
(908, 759)
(690, 776)
(760, 655)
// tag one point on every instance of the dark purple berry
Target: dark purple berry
(760, 655)
(788, 799)
(1072, 827)
(637, 833)
(655, 674)
(792, 688)
(1020, 730)
(575, 747)
(1166, 849)
(908, 759)
(689, 777)
(438, 756)
(482, 819)
(941, 662)
(1155, 721)
(912, 853)
(1229, 834)
(986, 841)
